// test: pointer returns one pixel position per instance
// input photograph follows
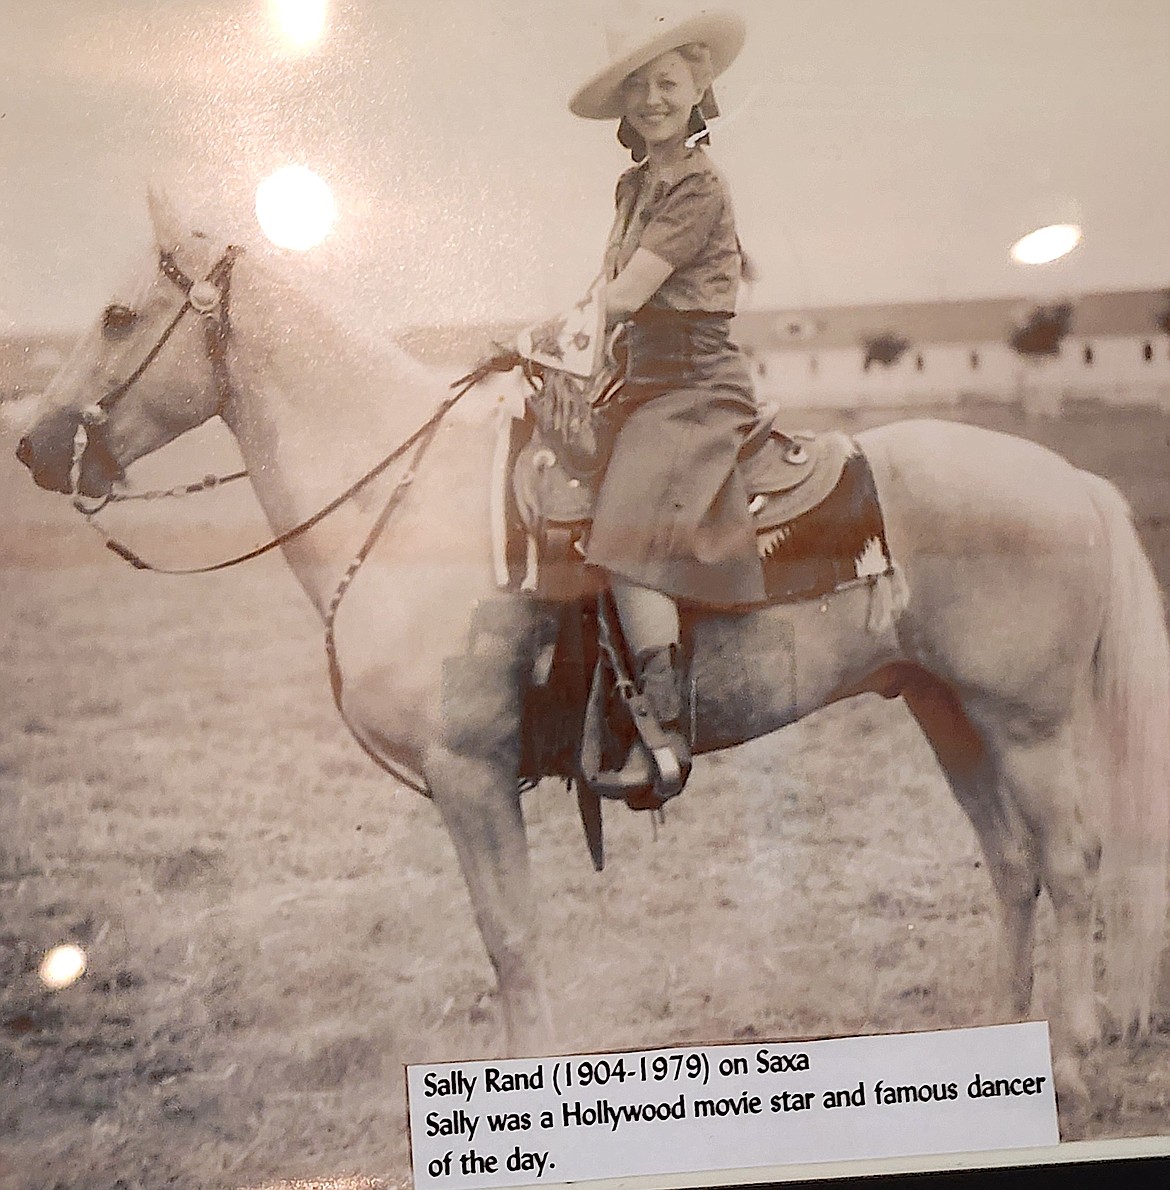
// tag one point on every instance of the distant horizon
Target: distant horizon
(1030, 299)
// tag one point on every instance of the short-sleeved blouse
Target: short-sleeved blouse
(688, 221)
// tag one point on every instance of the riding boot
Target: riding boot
(659, 681)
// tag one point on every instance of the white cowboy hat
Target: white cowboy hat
(641, 36)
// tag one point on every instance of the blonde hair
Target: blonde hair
(698, 57)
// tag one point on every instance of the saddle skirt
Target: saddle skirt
(819, 530)
(812, 499)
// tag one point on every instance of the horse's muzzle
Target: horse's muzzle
(49, 467)
(49, 450)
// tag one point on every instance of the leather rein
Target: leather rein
(209, 299)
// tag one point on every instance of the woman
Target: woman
(672, 521)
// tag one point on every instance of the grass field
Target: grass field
(274, 928)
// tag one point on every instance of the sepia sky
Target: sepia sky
(878, 150)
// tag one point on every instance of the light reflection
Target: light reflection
(301, 22)
(1046, 244)
(63, 965)
(295, 208)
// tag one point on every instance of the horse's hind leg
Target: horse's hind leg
(1041, 776)
(1021, 792)
(1008, 847)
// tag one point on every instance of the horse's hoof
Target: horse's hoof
(1085, 1029)
(1074, 1101)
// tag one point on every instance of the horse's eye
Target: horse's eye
(118, 321)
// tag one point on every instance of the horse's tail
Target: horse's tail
(1132, 692)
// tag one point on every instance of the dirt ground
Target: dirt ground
(274, 928)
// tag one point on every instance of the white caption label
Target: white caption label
(693, 1109)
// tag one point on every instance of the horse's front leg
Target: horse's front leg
(472, 768)
(445, 698)
(480, 806)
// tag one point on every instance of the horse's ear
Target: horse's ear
(168, 226)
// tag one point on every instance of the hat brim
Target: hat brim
(723, 33)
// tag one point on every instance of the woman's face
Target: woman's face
(657, 100)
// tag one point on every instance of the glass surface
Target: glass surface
(260, 927)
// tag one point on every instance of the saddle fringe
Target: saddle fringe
(888, 596)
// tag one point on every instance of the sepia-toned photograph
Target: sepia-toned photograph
(559, 527)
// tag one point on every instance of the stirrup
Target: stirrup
(658, 763)
(659, 760)
(651, 773)
(646, 780)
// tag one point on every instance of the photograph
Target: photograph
(597, 528)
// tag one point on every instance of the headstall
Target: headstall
(209, 298)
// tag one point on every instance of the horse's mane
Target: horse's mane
(358, 348)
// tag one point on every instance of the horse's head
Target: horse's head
(153, 366)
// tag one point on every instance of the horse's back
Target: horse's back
(1006, 470)
(1003, 551)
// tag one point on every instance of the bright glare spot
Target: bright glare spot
(62, 966)
(302, 22)
(295, 208)
(1046, 244)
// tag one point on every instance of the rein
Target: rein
(183, 489)
(425, 431)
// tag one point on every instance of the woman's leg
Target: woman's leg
(649, 618)
(650, 625)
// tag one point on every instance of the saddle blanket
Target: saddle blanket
(818, 522)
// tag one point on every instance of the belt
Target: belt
(663, 346)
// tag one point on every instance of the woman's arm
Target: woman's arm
(635, 285)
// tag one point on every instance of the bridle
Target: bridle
(209, 298)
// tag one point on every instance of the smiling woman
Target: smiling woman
(295, 208)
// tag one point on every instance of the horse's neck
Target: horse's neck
(314, 408)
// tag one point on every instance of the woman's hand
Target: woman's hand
(635, 285)
(503, 360)
(565, 417)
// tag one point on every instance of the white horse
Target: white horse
(1032, 647)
